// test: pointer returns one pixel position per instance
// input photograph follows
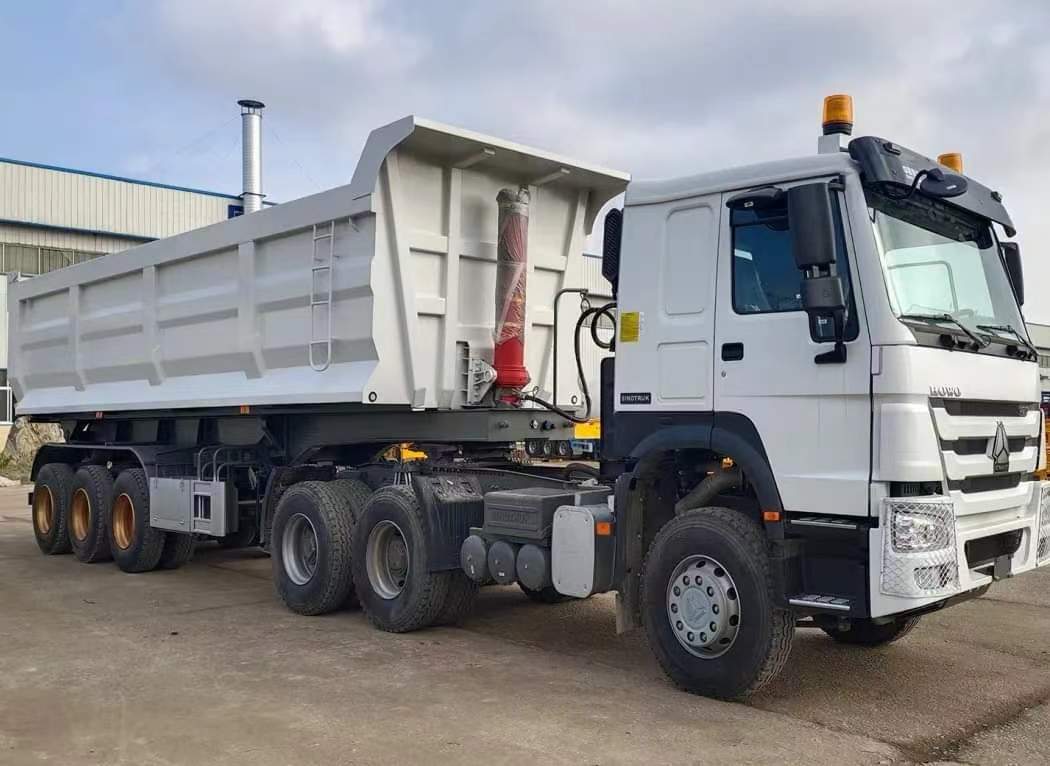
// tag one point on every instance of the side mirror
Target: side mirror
(812, 226)
(1012, 257)
(813, 243)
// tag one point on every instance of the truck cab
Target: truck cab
(844, 330)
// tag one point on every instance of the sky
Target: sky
(657, 88)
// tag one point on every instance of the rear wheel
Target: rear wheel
(397, 590)
(708, 605)
(870, 634)
(52, 495)
(311, 548)
(89, 513)
(178, 550)
(459, 601)
(135, 545)
(354, 494)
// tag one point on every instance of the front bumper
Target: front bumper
(964, 546)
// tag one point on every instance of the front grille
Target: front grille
(986, 483)
(967, 430)
(981, 408)
(979, 445)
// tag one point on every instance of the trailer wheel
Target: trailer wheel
(178, 550)
(869, 634)
(135, 545)
(354, 494)
(709, 607)
(548, 595)
(459, 601)
(51, 498)
(398, 592)
(89, 511)
(311, 548)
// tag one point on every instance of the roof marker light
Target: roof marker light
(838, 114)
(951, 160)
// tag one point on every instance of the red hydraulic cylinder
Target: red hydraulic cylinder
(508, 356)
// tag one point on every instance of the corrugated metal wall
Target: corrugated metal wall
(69, 200)
(35, 236)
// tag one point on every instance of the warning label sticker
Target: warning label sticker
(630, 326)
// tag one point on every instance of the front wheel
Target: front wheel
(709, 606)
(868, 633)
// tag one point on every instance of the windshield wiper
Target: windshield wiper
(1010, 329)
(980, 342)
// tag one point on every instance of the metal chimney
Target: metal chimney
(251, 154)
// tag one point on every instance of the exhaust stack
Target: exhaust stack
(508, 356)
(251, 154)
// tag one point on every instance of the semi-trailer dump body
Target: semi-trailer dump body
(378, 293)
(821, 408)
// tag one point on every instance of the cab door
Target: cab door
(813, 419)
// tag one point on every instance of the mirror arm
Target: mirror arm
(837, 355)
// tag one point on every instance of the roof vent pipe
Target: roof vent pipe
(251, 154)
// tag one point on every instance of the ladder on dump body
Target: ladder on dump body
(321, 297)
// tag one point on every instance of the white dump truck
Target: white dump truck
(821, 409)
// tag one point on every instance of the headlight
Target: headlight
(918, 529)
(919, 556)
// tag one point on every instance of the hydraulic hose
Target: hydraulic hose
(594, 313)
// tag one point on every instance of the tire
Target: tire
(546, 595)
(135, 545)
(750, 638)
(354, 494)
(51, 498)
(246, 536)
(400, 594)
(89, 510)
(459, 601)
(311, 548)
(178, 550)
(869, 634)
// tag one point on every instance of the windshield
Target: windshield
(938, 262)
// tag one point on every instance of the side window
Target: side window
(765, 278)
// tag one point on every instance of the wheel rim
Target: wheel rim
(80, 515)
(386, 560)
(123, 522)
(703, 607)
(43, 509)
(299, 549)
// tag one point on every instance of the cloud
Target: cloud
(656, 88)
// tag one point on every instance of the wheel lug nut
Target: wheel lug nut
(714, 608)
(690, 636)
(714, 627)
(674, 608)
(703, 637)
(677, 591)
(710, 591)
(685, 580)
(679, 625)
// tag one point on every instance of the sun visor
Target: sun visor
(885, 164)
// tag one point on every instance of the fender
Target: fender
(641, 434)
(145, 456)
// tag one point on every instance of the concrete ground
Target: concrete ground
(203, 665)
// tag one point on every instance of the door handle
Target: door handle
(732, 352)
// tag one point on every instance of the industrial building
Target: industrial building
(51, 217)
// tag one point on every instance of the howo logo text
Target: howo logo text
(946, 392)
